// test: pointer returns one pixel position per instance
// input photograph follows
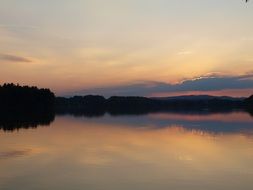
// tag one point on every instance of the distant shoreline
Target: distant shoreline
(142, 105)
(15, 97)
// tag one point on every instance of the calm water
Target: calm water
(152, 152)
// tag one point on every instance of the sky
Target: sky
(128, 47)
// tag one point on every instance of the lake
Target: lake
(157, 151)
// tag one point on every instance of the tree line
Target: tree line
(16, 97)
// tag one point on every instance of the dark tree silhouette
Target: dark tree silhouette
(249, 104)
(25, 107)
(31, 99)
(98, 105)
(16, 97)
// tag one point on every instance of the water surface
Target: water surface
(157, 151)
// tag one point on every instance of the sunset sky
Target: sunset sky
(128, 47)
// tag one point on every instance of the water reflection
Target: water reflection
(14, 153)
(12, 121)
(143, 152)
(211, 122)
(231, 122)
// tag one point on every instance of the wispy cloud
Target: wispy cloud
(185, 53)
(204, 83)
(18, 27)
(14, 58)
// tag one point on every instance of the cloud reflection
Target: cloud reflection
(15, 153)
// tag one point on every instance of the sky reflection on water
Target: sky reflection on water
(156, 151)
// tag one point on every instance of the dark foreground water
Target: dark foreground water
(152, 152)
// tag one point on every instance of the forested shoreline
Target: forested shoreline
(16, 97)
